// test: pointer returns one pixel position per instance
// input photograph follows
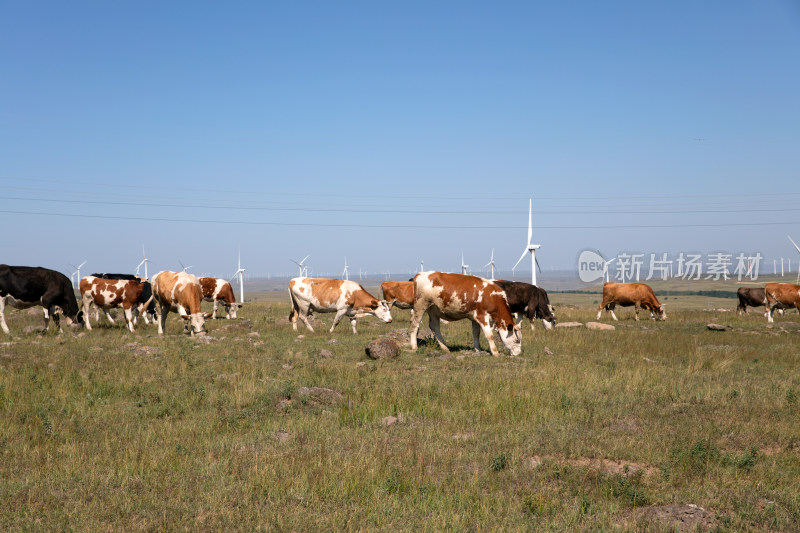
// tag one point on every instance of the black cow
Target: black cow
(22, 287)
(530, 300)
(147, 294)
(752, 297)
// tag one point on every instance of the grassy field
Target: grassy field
(259, 428)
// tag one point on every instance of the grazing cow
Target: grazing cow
(630, 294)
(528, 299)
(753, 297)
(345, 298)
(148, 314)
(781, 295)
(398, 293)
(133, 296)
(458, 296)
(22, 287)
(179, 292)
(218, 290)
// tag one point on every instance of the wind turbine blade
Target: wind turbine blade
(79, 266)
(795, 244)
(530, 220)
(306, 257)
(520, 259)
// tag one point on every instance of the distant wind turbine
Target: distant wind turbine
(302, 265)
(185, 268)
(240, 274)
(798, 264)
(531, 248)
(144, 262)
(346, 272)
(77, 271)
(491, 264)
(464, 268)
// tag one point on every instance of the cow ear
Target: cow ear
(207, 315)
(185, 317)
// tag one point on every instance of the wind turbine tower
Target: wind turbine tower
(491, 264)
(531, 248)
(144, 262)
(240, 274)
(77, 271)
(464, 268)
(346, 272)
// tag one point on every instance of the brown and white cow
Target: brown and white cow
(131, 295)
(398, 293)
(781, 295)
(458, 296)
(638, 295)
(323, 295)
(179, 292)
(219, 291)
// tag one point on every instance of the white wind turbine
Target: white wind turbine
(240, 274)
(798, 265)
(421, 265)
(605, 268)
(302, 265)
(144, 262)
(531, 248)
(346, 272)
(77, 271)
(185, 268)
(464, 268)
(491, 263)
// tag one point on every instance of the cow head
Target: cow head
(511, 336)
(548, 316)
(378, 308)
(661, 313)
(77, 320)
(195, 323)
(232, 308)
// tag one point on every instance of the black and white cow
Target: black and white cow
(22, 287)
(147, 295)
(530, 300)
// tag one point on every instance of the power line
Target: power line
(396, 226)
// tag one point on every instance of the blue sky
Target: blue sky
(390, 133)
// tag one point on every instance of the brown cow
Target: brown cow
(398, 293)
(323, 295)
(781, 294)
(219, 291)
(179, 292)
(459, 296)
(106, 294)
(631, 294)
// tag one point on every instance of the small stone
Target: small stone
(599, 326)
(33, 329)
(320, 394)
(287, 367)
(254, 335)
(383, 348)
(569, 325)
(548, 351)
(333, 341)
(361, 363)
(325, 353)
(716, 327)
(389, 421)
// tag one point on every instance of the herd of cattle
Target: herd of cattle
(490, 305)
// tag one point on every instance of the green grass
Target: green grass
(98, 435)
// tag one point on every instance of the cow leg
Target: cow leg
(353, 323)
(435, 325)
(56, 319)
(87, 303)
(339, 314)
(636, 311)
(108, 315)
(214, 312)
(130, 317)
(413, 329)
(531, 318)
(487, 331)
(611, 310)
(3, 316)
(161, 316)
(476, 336)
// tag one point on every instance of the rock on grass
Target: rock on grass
(383, 348)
